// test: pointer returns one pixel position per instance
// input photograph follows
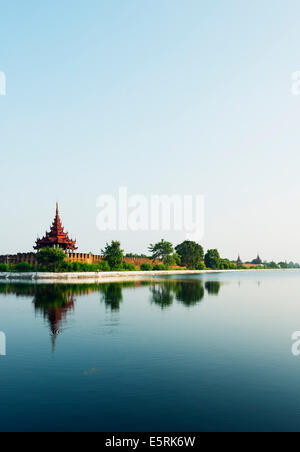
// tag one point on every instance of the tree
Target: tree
(212, 259)
(51, 258)
(161, 250)
(173, 260)
(113, 255)
(191, 254)
(226, 264)
(4, 268)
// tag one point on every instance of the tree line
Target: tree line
(187, 255)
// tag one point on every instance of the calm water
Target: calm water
(200, 353)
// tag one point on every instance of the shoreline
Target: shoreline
(96, 277)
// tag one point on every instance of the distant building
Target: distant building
(239, 261)
(257, 261)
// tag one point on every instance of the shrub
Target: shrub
(129, 267)
(51, 258)
(146, 267)
(23, 267)
(4, 268)
(172, 260)
(74, 267)
(84, 267)
(160, 267)
(201, 266)
(104, 266)
(42, 269)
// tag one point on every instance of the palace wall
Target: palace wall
(72, 257)
(89, 258)
(13, 259)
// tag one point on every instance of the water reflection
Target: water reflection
(56, 301)
(52, 301)
(112, 296)
(189, 292)
(162, 294)
(213, 287)
(54, 304)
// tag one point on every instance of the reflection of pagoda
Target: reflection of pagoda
(56, 236)
(56, 316)
(54, 302)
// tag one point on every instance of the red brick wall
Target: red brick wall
(73, 257)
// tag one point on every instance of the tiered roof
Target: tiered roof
(56, 237)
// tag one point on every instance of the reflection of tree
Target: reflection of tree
(189, 292)
(55, 301)
(112, 295)
(213, 287)
(162, 294)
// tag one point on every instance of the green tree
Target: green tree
(162, 250)
(191, 254)
(4, 268)
(212, 259)
(226, 264)
(113, 255)
(52, 259)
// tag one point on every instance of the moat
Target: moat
(207, 352)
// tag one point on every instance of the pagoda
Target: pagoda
(57, 237)
(239, 261)
(257, 261)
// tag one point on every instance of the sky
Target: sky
(162, 97)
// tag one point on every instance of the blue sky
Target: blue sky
(160, 96)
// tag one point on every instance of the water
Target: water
(194, 353)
